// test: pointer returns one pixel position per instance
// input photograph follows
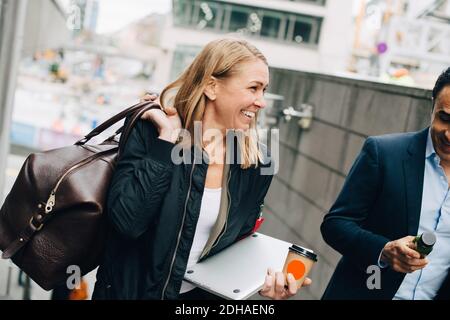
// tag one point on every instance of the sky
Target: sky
(115, 14)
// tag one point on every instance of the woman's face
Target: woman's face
(238, 98)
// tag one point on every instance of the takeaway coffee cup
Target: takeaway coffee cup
(299, 262)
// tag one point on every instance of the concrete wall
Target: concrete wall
(314, 163)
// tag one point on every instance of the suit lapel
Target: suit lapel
(414, 168)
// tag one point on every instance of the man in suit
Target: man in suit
(397, 188)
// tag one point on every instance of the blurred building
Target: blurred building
(91, 15)
(25, 28)
(45, 26)
(298, 35)
(399, 38)
(146, 31)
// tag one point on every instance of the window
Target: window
(318, 2)
(207, 15)
(303, 29)
(182, 12)
(231, 17)
(271, 25)
(238, 19)
(182, 57)
(302, 32)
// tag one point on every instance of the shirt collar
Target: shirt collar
(430, 152)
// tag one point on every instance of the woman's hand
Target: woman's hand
(275, 285)
(167, 122)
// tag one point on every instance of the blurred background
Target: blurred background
(341, 70)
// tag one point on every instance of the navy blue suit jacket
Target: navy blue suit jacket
(380, 201)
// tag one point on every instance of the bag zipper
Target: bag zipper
(51, 201)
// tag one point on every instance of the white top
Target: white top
(209, 211)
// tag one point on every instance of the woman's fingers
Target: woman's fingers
(278, 286)
(149, 97)
(306, 282)
(292, 285)
(166, 120)
(170, 111)
(269, 284)
(279, 283)
(149, 114)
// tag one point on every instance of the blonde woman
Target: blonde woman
(167, 214)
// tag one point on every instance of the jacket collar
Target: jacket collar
(413, 167)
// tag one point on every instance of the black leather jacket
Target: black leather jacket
(153, 207)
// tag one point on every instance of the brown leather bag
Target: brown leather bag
(54, 216)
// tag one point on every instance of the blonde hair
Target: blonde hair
(220, 59)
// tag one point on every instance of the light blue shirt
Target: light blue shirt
(424, 284)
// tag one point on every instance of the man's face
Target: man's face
(440, 125)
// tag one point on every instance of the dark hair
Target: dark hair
(441, 82)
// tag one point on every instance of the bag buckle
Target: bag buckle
(33, 226)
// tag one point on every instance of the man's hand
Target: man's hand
(275, 286)
(167, 122)
(401, 256)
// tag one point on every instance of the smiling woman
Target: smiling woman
(167, 215)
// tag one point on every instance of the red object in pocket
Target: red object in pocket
(258, 224)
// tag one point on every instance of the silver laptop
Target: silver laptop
(239, 271)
